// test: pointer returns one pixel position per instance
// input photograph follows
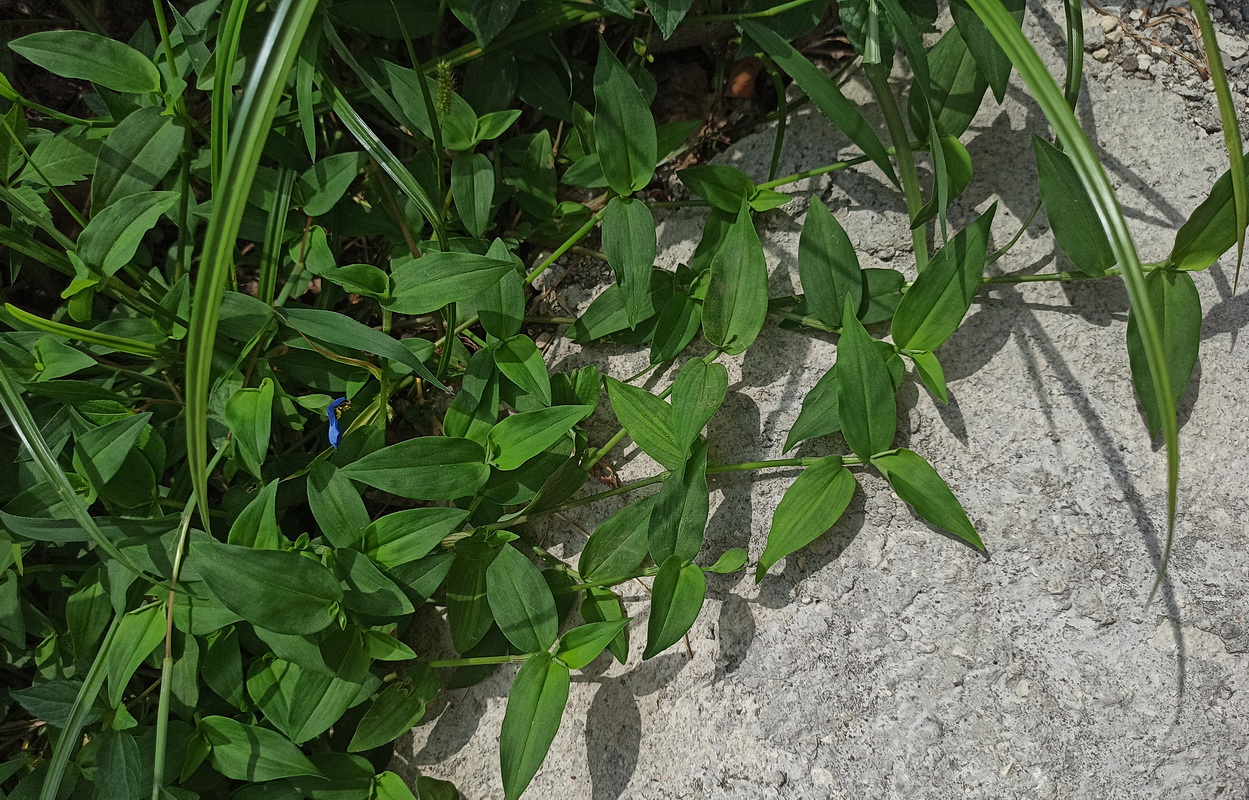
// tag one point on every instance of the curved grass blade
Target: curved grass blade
(118, 343)
(1231, 128)
(1052, 103)
(227, 50)
(28, 432)
(255, 117)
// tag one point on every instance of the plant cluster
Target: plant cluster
(271, 385)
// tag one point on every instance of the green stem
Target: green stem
(878, 77)
(771, 12)
(477, 661)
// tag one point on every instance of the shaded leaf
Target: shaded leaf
(1177, 309)
(425, 468)
(919, 486)
(865, 394)
(281, 591)
(535, 706)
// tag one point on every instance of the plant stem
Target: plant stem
(477, 661)
(878, 77)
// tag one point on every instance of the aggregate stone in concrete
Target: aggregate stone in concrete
(888, 660)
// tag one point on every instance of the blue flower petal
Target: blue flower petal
(333, 413)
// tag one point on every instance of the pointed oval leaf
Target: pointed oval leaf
(472, 188)
(679, 517)
(737, 296)
(726, 188)
(648, 421)
(520, 437)
(697, 394)
(395, 711)
(519, 359)
(1071, 213)
(468, 610)
(581, 645)
(865, 394)
(90, 57)
(336, 505)
(676, 598)
(425, 468)
(339, 329)
(602, 605)
(678, 324)
(918, 485)
(535, 706)
(936, 303)
(619, 544)
(404, 536)
(1210, 231)
(624, 130)
(931, 373)
(251, 753)
(135, 157)
(438, 279)
(827, 265)
(811, 506)
(249, 415)
(819, 416)
(521, 601)
(1177, 309)
(112, 237)
(281, 591)
(368, 590)
(629, 243)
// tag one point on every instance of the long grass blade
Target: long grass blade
(28, 431)
(1052, 103)
(264, 88)
(1231, 128)
(119, 343)
(271, 254)
(71, 735)
(228, 34)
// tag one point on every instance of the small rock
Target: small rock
(1143, 62)
(1135, 16)
(1115, 35)
(1101, 54)
(1094, 36)
(1108, 23)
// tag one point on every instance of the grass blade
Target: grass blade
(1052, 103)
(260, 98)
(1231, 128)
(118, 343)
(223, 96)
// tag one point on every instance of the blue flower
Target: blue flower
(333, 414)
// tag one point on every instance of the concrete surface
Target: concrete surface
(887, 660)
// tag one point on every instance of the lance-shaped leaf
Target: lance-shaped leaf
(648, 421)
(90, 57)
(519, 359)
(919, 486)
(697, 393)
(931, 373)
(425, 468)
(1071, 213)
(726, 188)
(521, 601)
(581, 645)
(603, 605)
(249, 414)
(535, 706)
(629, 243)
(252, 753)
(815, 501)
(624, 130)
(865, 395)
(341, 330)
(1211, 230)
(679, 517)
(520, 437)
(1177, 308)
(336, 505)
(619, 544)
(277, 590)
(472, 188)
(395, 711)
(438, 279)
(468, 610)
(676, 598)
(993, 62)
(737, 297)
(936, 303)
(112, 237)
(827, 265)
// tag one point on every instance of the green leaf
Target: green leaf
(438, 279)
(111, 239)
(281, 591)
(730, 561)
(602, 605)
(90, 57)
(119, 766)
(697, 393)
(395, 711)
(495, 124)
(931, 373)
(678, 324)
(827, 265)
(724, 187)
(328, 180)
(865, 394)
(811, 505)
(957, 87)
(520, 362)
(368, 590)
(619, 544)
(501, 307)
(425, 468)
(918, 485)
(403, 536)
(520, 437)
(472, 188)
(1211, 230)
(475, 409)
(137, 636)
(135, 157)
(535, 706)
(668, 14)
(648, 421)
(251, 753)
(223, 667)
(581, 645)
(249, 415)
(468, 610)
(993, 62)
(341, 330)
(676, 598)
(336, 505)
(679, 517)
(1071, 213)
(102, 451)
(487, 18)
(301, 703)
(824, 92)
(629, 243)
(1177, 308)
(624, 130)
(365, 280)
(521, 601)
(737, 296)
(936, 303)
(819, 416)
(257, 526)
(956, 162)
